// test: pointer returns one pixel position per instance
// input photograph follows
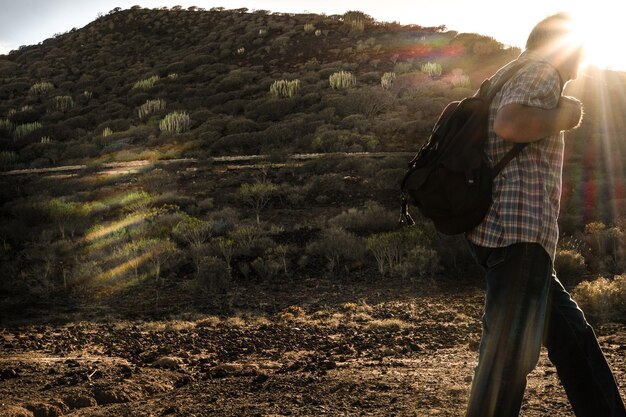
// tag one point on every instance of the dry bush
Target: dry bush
(373, 218)
(604, 298)
(337, 247)
(569, 265)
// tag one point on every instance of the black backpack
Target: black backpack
(450, 178)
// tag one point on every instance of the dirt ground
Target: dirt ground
(337, 350)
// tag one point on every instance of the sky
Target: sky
(28, 22)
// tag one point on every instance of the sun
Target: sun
(601, 28)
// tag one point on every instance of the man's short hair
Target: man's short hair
(550, 32)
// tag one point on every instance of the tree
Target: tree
(195, 232)
(67, 215)
(159, 251)
(257, 195)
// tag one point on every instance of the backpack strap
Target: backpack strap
(517, 148)
(488, 92)
(512, 153)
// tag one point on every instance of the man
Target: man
(516, 242)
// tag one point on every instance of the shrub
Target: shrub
(342, 79)
(257, 195)
(373, 218)
(176, 122)
(606, 248)
(213, 275)
(569, 265)
(337, 247)
(392, 251)
(326, 140)
(159, 251)
(420, 263)
(195, 232)
(603, 297)
(285, 88)
(67, 216)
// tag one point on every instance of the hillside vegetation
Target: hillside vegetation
(179, 88)
(160, 83)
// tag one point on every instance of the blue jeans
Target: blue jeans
(526, 305)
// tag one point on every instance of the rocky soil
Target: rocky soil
(350, 352)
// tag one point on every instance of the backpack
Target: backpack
(450, 179)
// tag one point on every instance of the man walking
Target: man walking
(516, 242)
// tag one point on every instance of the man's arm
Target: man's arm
(519, 123)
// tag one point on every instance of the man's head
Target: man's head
(555, 39)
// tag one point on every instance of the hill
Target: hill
(101, 91)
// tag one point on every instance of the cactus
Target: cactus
(318, 32)
(41, 88)
(8, 159)
(45, 139)
(433, 69)
(63, 103)
(285, 88)
(308, 27)
(262, 32)
(241, 50)
(25, 129)
(342, 79)
(150, 107)
(386, 81)
(6, 125)
(107, 131)
(176, 122)
(462, 81)
(357, 20)
(146, 83)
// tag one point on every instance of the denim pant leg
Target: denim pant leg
(581, 366)
(518, 285)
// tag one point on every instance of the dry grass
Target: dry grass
(387, 324)
(209, 321)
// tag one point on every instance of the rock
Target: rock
(261, 378)
(9, 374)
(126, 371)
(44, 410)
(226, 369)
(104, 396)
(474, 345)
(14, 411)
(80, 401)
(168, 362)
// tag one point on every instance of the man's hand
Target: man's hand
(572, 112)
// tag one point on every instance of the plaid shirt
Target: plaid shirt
(527, 193)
